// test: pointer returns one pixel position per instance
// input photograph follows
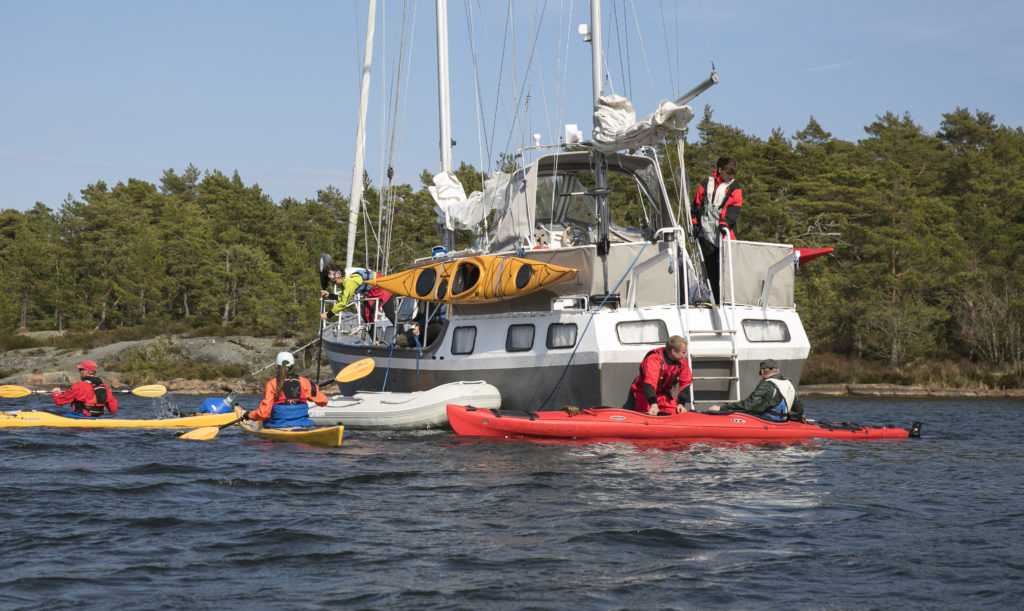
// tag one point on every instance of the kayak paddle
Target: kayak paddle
(351, 373)
(206, 433)
(8, 391)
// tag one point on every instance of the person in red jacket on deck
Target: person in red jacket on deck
(716, 209)
(90, 396)
(660, 371)
(285, 398)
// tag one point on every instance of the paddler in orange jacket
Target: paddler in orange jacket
(660, 371)
(90, 396)
(284, 398)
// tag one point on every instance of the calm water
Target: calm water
(142, 520)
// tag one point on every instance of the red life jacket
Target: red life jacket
(101, 394)
(667, 378)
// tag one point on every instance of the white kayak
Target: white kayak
(424, 409)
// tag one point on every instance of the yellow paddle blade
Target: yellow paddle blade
(153, 390)
(8, 391)
(204, 433)
(359, 369)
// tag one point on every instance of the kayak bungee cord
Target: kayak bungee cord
(587, 326)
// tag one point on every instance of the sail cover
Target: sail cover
(617, 128)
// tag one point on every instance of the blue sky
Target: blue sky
(111, 90)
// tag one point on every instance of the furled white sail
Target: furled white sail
(456, 210)
(617, 128)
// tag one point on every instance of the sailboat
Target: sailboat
(579, 341)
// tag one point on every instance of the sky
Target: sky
(109, 90)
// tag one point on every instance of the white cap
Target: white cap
(285, 358)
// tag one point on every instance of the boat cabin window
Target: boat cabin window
(766, 330)
(519, 338)
(463, 340)
(562, 199)
(642, 332)
(561, 335)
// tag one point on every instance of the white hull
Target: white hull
(423, 409)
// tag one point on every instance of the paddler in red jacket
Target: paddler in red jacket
(716, 209)
(660, 371)
(90, 396)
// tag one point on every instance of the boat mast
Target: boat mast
(356, 194)
(444, 104)
(600, 166)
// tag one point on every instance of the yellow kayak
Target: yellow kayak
(32, 418)
(481, 279)
(329, 436)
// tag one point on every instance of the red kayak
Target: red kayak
(611, 423)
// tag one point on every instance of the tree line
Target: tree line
(928, 231)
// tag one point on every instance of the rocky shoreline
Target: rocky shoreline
(46, 367)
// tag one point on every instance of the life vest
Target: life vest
(711, 204)
(780, 412)
(290, 409)
(94, 408)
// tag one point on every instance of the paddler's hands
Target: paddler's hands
(714, 408)
(323, 315)
(55, 391)
(653, 411)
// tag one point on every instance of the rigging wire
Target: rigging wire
(664, 34)
(643, 49)
(529, 65)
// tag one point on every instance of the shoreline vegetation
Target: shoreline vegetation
(923, 287)
(211, 365)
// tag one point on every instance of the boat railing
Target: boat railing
(351, 324)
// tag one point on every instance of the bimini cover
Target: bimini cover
(617, 128)
(456, 211)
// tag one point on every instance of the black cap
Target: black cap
(769, 364)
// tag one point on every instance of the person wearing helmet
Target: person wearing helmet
(285, 397)
(354, 284)
(88, 398)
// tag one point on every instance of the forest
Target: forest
(928, 232)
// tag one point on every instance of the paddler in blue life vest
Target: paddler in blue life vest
(774, 398)
(284, 398)
(354, 284)
(89, 397)
(660, 371)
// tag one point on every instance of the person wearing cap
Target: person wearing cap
(774, 398)
(354, 284)
(285, 398)
(660, 371)
(89, 397)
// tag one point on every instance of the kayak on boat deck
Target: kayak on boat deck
(35, 418)
(329, 436)
(613, 423)
(479, 279)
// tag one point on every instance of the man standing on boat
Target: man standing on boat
(89, 397)
(774, 398)
(285, 398)
(716, 208)
(354, 284)
(660, 371)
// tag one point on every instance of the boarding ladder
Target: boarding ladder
(726, 323)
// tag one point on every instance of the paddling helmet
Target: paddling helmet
(285, 358)
(89, 366)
